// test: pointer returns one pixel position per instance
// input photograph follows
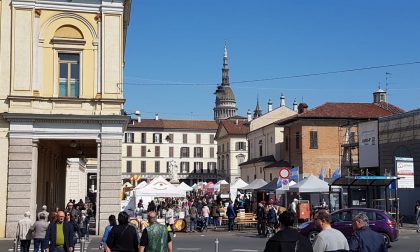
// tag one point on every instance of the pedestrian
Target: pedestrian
(83, 224)
(271, 217)
(329, 239)
(261, 219)
(60, 235)
(74, 212)
(24, 232)
(193, 218)
(186, 210)
(215, 213)
(205, 212)
(112, 222)
(293, 209)
(365, 239)
(40, 229)
(123, 237)
(288, 239)
(155, 238)
(417, 211)
(44, 212)
(151, 207)
(231, 216)
(169, 219)
(74, 225)
(222, 212)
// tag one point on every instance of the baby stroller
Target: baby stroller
(201, 225)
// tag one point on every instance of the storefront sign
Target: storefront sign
(405, 171)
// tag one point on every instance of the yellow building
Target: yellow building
(61, 75)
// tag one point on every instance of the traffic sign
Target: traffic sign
(285, 184)
(284, 173)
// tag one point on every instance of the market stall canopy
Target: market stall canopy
(363, 181)
(310, 184)
(222, 182)
(160, 188)
(141, 185)
(185, 187)
(270, 187)
(257, 183)
(238, 183)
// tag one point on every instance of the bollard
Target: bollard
(216, 244)
(82, 245)
(15, 245)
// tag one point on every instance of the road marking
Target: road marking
(189, 249)
(244, 250)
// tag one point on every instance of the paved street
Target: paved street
(244, 241)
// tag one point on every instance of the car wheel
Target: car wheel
(387, 240)
(312, 235)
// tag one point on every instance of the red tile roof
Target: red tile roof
(174, 124)
(242, 128)
(342, 110)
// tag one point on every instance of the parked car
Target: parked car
(379, 221)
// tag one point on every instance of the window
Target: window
(168, 164)
(241, 146)
(198, 152)
(184, 138)
(223, 148)
(185, 152)
(223, 164)
(185, 167)
(170, 138)
(69, 74)
(143, 166)
(129, 137)
(261, 150)
(260, 169)
(143, 137)
(129, 150)
(211, 152)
(212, 139)
(313, 138)
(198, 167)
(128, 168)
(271, 176)
(171, 151)
(198, 139)
(143, 151)
(157, 138)
(157, 166)
(297, 140)
(157, 151)
(218, 149)
(211, 167)
(240, 158)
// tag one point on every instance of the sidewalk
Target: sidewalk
(409, 226)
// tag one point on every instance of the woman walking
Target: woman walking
(112, 223)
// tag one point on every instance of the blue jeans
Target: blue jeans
(40, 242)
(193, 224)
(206, 221)
(230, 223)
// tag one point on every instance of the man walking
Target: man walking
(24, 232)
(44, 212)
(329, 239)
(261, 219)
(231, 216)
(60, 235)
(155, 238)
(365, 239)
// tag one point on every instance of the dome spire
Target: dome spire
(225, 69)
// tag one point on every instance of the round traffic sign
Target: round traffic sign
(284, 173)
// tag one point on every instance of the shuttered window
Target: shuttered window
(313, 140)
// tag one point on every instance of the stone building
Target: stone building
(232, 147)
(61, 83)
(151, 145)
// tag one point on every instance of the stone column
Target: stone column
(109, 184)
(19, 189)
(34, 176)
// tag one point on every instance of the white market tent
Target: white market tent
(185, 187)
(310, 184)
(161, 188)
(238, 183)
(217, 185)
(141, 185)
(257, 183)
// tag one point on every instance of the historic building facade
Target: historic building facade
(61, 83)
(183, 149)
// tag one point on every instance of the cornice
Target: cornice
(65, 119)
(104, 7)
(64, 99)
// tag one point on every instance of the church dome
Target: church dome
(224, 93)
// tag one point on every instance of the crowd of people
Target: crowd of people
(57, 230)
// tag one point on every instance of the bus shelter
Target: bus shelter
(367, 191)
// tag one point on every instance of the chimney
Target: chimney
(138, 116)
(295, 106)
(270, 105)
(302, 108)
(249, 114)
(156, 116)
(282, 100)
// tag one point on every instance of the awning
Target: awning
(364, 181)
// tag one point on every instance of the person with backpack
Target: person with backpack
(123, 237)
(288, 239)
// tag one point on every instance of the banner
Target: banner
(368, 144)
(405, 171)
(295, 174)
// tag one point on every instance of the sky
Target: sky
(174, 53)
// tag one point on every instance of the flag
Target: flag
(295, 174)
(336, 174)
(322, 173)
